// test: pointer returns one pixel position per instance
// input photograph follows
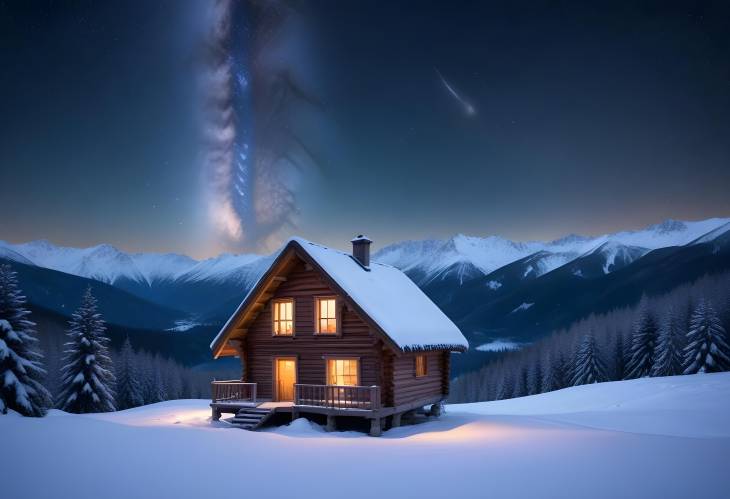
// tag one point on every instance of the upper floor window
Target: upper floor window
(283, 317)
(421, 365)
(326, 319)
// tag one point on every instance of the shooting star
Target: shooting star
(469, 109)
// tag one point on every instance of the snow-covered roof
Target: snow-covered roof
(386, 295)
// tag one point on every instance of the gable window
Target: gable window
(421, 365)
(326, 315)
(343, 372)
(283, 317)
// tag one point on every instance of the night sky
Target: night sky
(200, 127)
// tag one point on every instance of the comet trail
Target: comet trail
(469, 109)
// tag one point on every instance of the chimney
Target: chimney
(361, 250)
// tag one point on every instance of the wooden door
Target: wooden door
(285, 375)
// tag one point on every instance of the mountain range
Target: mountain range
(493, 288)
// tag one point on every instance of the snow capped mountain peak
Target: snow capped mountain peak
(224, 266)
(668, 233)
(610, 247)
(468, 254)
(108, 264)
(462, 254)
(570, 239)
(616, 255)
(667, 226)
(713, 234)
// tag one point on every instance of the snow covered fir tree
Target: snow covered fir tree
(21, 372)
(643, 344)
(669, 356)
(87, 378)
(129, 388)
(589, 367)
(707, 349)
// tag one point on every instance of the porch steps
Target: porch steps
(251, 418)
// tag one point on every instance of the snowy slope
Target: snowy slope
(429, 258)
(659, 437)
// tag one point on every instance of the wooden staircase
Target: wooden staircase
(251, 418)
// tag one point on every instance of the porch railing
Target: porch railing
(338, 396)
(233, 390)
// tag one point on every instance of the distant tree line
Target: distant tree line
(84, 375)
(682, 332)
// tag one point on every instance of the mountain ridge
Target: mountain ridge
(468, 254)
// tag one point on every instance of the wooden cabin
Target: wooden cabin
(327, 332)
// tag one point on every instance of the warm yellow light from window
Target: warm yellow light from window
(326, 315)
(284, 317)
(342, 372)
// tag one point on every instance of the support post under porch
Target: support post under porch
(395, 421)
(331, 423)
(376, 427)
(216, 416)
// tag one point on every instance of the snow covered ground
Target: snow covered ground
(660, 437)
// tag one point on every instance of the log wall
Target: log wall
(408, 388)
(310, 349)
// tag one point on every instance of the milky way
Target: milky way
(253, 89)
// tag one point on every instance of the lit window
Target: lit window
(421, 365)
(342, 372)
(283, 317)
(326, 316)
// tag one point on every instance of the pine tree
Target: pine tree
(643, 345)
(86, 376)
(619, 357)
(521, 383)
(129, 389)
(536, 376)
(669, 357)
(159, 379)
(557, 374)
(146, 374)
(21, 372)
(505, 386)
(173, 381)
(706, 350)
(588, 365)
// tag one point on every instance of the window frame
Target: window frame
(274, 303)
(328, 358)
(425, 365)
(338, 314)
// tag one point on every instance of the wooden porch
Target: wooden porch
(240, 398)
(236, 394)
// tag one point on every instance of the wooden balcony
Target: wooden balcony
(233, 391)
(339, 397)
